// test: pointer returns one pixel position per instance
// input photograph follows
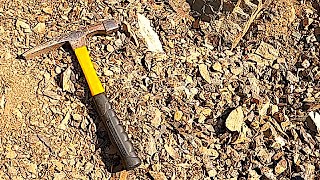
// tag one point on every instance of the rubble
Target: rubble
(193, 106)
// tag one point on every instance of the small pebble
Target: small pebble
(305, 64)
(276, 66)
(58, 70)
(118, 43)
(47, 10)
(110, 48)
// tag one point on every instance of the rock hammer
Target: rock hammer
(77, 40)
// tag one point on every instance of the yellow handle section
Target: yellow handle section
(89, 72)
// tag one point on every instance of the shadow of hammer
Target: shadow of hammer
(77, 40)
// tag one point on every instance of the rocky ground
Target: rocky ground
(232, 93)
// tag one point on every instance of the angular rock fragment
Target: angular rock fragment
(281, 166)
(254, 87)
(77, 117)
(310, 171)
(209, 152)
(253, 175)
(203, 115)
(267, 51)
(67, 84)
(292, 78)
(256, 58)
(149, 35)
(64, 122)
(171, 151)
(156, 121)
(40, 28)
(217, 67)
(264, 108)
(11, 154)
(204, 72)
(47, 10)
(1, 30)
(32, 168)
(235, 120)
(21, 24)
(212, 173)
(59, 176)
(152, 148)
(7, 55)
(58, 165)
(88, 167)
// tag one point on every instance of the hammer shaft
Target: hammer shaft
(89, 72)
(106, 113)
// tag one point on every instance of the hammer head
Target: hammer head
(75, 38)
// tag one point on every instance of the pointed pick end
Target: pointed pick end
(27, 55)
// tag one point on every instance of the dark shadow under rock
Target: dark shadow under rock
(207, 10)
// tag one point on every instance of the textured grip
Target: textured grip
(116, 130)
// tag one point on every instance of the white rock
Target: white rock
(212, 173)
(88, 167)
(7, 55)
(151, 146)
(11, 154)
(149, 35)
(209, 152)
(47, 10)
(2, 30)
(171, 151)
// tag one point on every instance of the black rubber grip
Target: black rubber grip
(116, 131)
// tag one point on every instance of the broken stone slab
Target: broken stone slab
(267, 51)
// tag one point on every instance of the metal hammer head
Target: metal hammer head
(75, 38)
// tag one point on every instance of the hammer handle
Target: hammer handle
(116, 131)
(107, 115)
